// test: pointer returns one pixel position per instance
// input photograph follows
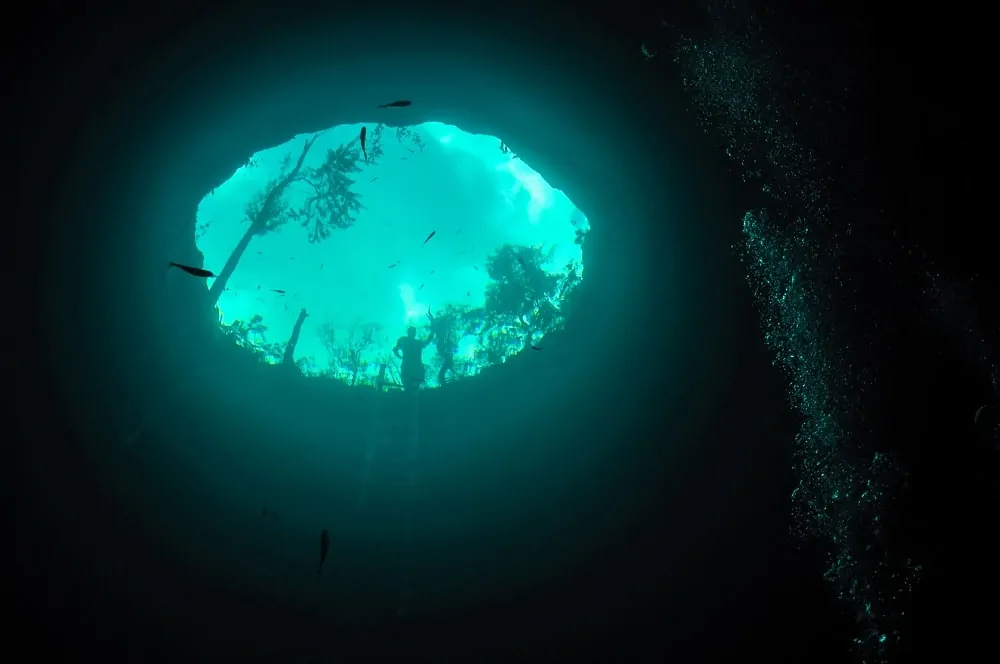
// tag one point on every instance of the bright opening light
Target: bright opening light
(339, 248)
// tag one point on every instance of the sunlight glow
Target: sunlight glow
(436, 219)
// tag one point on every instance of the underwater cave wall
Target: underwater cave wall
(652, 317)
(197, 116)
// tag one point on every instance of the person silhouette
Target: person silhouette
(410, 349)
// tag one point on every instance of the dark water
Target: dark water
(754, 438)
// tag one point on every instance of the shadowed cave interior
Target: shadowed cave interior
(538, 477)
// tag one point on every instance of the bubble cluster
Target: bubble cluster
(845, 488)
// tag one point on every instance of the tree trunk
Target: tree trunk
(220, 282)
(294, 339)
(257, 225)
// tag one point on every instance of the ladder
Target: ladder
(389, 480)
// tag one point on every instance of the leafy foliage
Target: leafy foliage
(521, 302)
(275, 215)
(519, 282)
(407, 134)
(239, 332)
(448, 326)
(495, 343)
(375, 150)
(348, 348)
(333, 205)
(569, 290)
(252, 336)
(307, 366)
(256, 328)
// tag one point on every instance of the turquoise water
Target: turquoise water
(364, 284)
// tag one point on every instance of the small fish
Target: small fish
(373, 179)
(432, 272)
(468, 294)
(364, 135)
(458, 231)
(421, 287)
(264, 512)
(321, 265)
(476, 268)
(411, 151)
(278, 291)
(324, 546)
(194, 271)
(259, 253)
(397, 104)
(534, 347)
(394, 264)
(403, 158)
(433, 233)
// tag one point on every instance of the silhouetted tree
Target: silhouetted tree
(332, 204)
(496, 342)
(518, 279)
(272, 352)
(361, 337)
(346, 350)
(265, 212)
(413, 137)
(239, 332)
(375, 150)
(327, 334)
(521, 290)
(307, 366)
(256, 330)
(294, 339)
(253, 336)
(569, 290)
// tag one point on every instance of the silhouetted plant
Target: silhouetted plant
(413, 137)
(256, 329)
(273, 352)
(346, 350)
(332, 204)
(375, 150)
(519, 283)
(308, 366)
(266, 211)
(239, 332)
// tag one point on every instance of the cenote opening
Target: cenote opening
(585, 442)
(325, 261)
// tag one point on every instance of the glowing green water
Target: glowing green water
(473, 193)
